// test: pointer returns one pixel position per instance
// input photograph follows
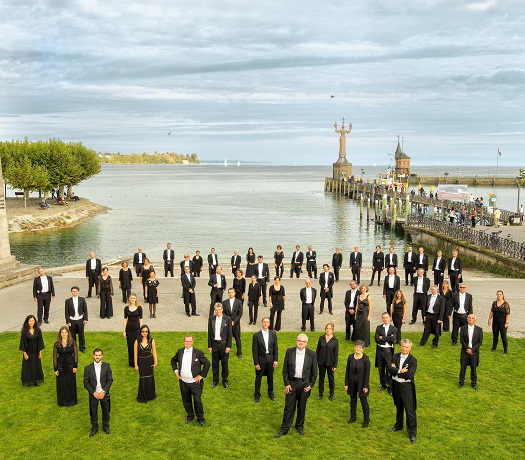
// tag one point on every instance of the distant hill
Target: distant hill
(149, 158)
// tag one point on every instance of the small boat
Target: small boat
(225, 162)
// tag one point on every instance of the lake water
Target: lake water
(203, 206)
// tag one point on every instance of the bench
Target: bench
(19, 193)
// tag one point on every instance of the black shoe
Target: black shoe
(46, 321)
(312, 330)
(88, 296)
(281, 433)
(474, 387)
(201, 423)
(239, 355)
(505, 353)
(300, 429)
(492, 349)
(454, 344)
(420, 345)
(412, 322)
(390, 391)
(214, 384)
(188, 314)
(365, 424)
(272, 397)
(406, 284)
(39, 323)
(189, 419)
(225, 384)
(331, 313)
(331, 398)
(460, 386)
(195, 314)
(434, 346)
(320, 397)
(320, 312)
(256, 399)
(352, 420)
(106, 430)
(412, 439)
(93, 432)
(393, 430)
(82, 350)
(381, 388)
(303, 329)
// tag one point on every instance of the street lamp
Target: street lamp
(446, 176)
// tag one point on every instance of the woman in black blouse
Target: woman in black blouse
(197, 264)
(357, 380)
(278, 263)
(327, 356)
(125, 280)
(447, 295)
(277, 303)
(239, 284)
(499, 316)
(250, 263)
(31, 345)
(65, 364)
(106, 293)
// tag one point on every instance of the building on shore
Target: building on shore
(402, 163)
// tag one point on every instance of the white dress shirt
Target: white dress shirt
(308, 292)
(299, 363)
(76, 317)
(93, 263)
(218, 322)
(461, 308)
(185, 366)
(470, 335)
(98, 369)
(266, 338)
(431, 304)
(45, 284)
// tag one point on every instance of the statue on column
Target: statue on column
(342, 138)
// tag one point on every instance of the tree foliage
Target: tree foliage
(521, 178)
(145, 158)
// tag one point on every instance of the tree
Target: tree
(25, 175)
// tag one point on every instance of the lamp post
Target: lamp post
(446, 176)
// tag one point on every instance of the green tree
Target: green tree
(23, 174)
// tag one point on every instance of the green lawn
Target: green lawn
(452, 423)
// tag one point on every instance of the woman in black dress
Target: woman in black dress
(277, 303)
(65, 363)
(278, 263)
(125, 280)
(132, 324)
(239, 284)
(250, 263)
(31, 345)
(106, 293)
(254, 299)
(327, 356)
(362, 316)
(499, 316)
(197, 264)
(357, 379)
(447, 295)
(145, 353)
(152, 294)
(399, 311)
(144, 275)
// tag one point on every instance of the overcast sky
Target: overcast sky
(253, 80)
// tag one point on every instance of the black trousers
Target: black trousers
(356, 273)
(295, 269)
(266, 364)
(384, 358)
(93, 411)
(273, 314)
(218, 354)
(403, 394)
(92, 281)
(43, 301)
(138, 268)
(389, 296)
(279, 270)
(77, 327)
(454, 281)
(438, 279)
(253, 309)
(419, 303)
(311, 267)
(458, 320)
(191, 398)
(168, 268)
(468, 360)
(328, 296)
(331, 380)
(431, 327)
(126, 291)
(398, 323)
(349, 322)
(106, 304)
(499, 329)
(336, 272)
(262, 283)
(189, 299)
(236, 333)
(307, 312)
(295, 400)
(409, 274)
(216, 297)
(364, 406)
(374, 271)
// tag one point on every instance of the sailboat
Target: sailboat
(238, 163)
(225, 162)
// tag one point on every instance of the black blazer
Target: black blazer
(468, 302)
(188, 284)
(259, 349)
(265, 272)
(412, 262)
(234, 313)
(302, 295)
(477, 339)
(389, 339)
(441, 266)
(327, 353)
(254, 292)
(348, 298)
(378, 260)
(423, 265)
(356, 260)
(136, 258)
(213, 281)
(458, 265)
(236, 262)
(426, 284)
(309, 367)
(168, 257)
(397, 283)
(439, 306)
(90, 378)
(337, 260)
(197, 263)
(394, 261)
(210, 260)
(200, 365)
(363, 375)
(311, 256)
(226, 330)
(98, 266)
(297, 258)
(331, 281)
(37, 286)
(70, 309)
(411, 361)
(189, 265)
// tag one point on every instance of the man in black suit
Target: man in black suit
(169, 257)
(254, 299)
(232, 307)
(462, 306)
(403, 369)
(438, 268)
(356, 262)
(213, 262)
(138, 260)
(409, 262)
(422, 260)
(307, 295)
(296, 265)
(421, 287)
(311, 262)
(43, 292)
(391, 259)
(455, 271)
(76, 317)
(385, 338)
(378, 263)
(263, 277)
(219, 344)
(350, 304)
(265, 353)
(433, 317)
(217, 283)
(235, 261)
(326, 281)
(93, 271)
(188, 291)
(186, 262)
(471, 337)
(337, 263)
(191, 367)
(391, 284)
(299, 375)
(97, 381)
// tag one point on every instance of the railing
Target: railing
(486, 239)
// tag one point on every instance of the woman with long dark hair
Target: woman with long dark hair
(65, 364)
(277, 296)
(31, 345)
(399, 311)
(125, 280)
(250, 263)
(106, 293)
(239, 284)
(145, 362)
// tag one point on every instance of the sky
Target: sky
(254, 80)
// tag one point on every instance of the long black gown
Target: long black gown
(362, 325)
(151, 294)
(132, 331)
(64, 360)
(32, 344)
(105, 292)
(397, 318)
(144, 274)
(250, 266)
(145, 362)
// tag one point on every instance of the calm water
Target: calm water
(199, 207)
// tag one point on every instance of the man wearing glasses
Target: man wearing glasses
(462, 304)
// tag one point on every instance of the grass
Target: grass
(452, 423)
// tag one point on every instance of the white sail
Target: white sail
(225, 162)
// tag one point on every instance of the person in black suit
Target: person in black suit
(403, 369)
(43, 292)
(327, 354)
(93, 271)
(378, 263)
(219, 344)
(235, 261)
(76, 317)
(455, 271)
(296, 264)
(422, 260)
(232, 307)
(357, 378)
(311, 262)
(391, 284)
(350, 303)
(409, 262)
(138, 260)
(326, 281)
(265, 353)
(217, 283)
(197, 264)
(254, 299)
(433, 317)
(337, 263)
(462, 306)
(213, 262)
(438, 268)
(299, 375)
(98, 379)
(421, 287)
(471, 338)
(186, 262)
(385, 338)
(391, 259)
(191, 367)
(263, 276)
(307, 295)
(356, 261)
(168, 256)
(188, 290)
